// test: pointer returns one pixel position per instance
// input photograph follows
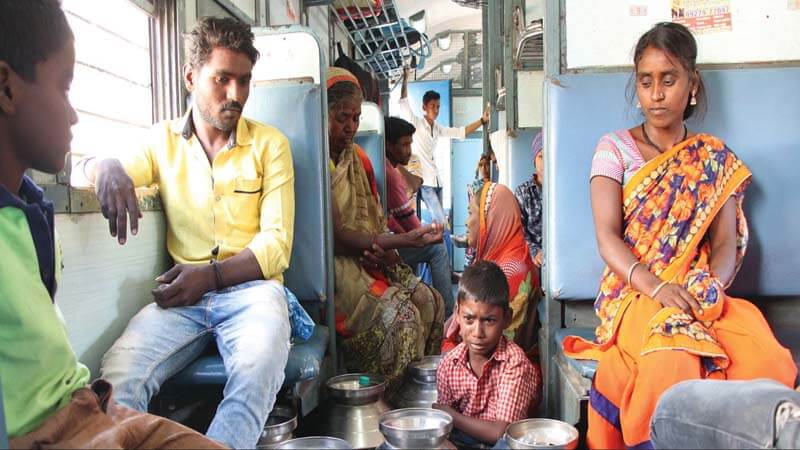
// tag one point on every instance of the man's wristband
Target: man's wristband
(217, 275)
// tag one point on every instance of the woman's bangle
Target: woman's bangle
(630, 272)
(658, 289)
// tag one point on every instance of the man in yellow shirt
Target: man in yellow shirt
(227, 187)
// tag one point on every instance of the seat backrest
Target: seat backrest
(371, 138)
(297, 106)
(754, 111)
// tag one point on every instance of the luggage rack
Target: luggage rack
(383, 40)
(529, 54)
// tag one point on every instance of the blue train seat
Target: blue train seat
(371, 138)
(310, 273)
(581, 108)
(3, 432)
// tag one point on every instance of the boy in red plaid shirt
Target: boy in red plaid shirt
(486, 382)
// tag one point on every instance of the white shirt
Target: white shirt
(424, 144)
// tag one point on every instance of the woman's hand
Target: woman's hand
(426, 235)
(674, 295)
(537, 260)
(378, 258)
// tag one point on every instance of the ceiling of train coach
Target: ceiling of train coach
(441, 15)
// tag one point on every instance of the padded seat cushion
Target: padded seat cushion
(304, 363)
(585, 368)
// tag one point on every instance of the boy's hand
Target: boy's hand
(445, 408)
(486, 117)
(117, 197)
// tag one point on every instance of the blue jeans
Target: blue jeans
(439, 261)
(432, 196)
(724, 414)
(250, 323)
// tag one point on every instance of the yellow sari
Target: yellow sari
(644, 348)
(388, 318)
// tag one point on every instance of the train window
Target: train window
(456, 56)
(112, 87)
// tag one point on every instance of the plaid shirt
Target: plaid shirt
(503, 392)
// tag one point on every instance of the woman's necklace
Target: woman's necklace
(647, 138)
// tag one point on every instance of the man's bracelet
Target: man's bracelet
(217, 275)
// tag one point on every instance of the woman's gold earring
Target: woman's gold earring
(693, 101)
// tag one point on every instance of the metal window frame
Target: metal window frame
(148, 6)
(467, 89)
(167, 93)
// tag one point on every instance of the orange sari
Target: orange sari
(643, 348)
(502, 241)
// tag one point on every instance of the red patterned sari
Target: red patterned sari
(644, 348)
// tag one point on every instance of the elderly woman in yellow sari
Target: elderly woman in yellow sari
(386, 316)
(667, 207)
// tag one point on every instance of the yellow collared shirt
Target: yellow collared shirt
(244, 199)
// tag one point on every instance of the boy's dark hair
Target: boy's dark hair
(31, 31)
(395, 128)
(430, 96)
(212, 32)
(484, 282)
(678, 42)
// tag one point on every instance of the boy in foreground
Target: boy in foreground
(482, 382)
(48, 400)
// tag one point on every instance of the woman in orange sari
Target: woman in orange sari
(494, 230)
(667, 207)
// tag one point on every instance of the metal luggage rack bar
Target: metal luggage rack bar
(372, 31)
(529, 52)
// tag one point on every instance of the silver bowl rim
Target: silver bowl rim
(402, 411)
(574, 433)
(371, 391)
(307, 439)
(282, 428)
(424, 375)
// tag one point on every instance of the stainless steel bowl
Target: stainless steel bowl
(347, 389)
(541, 433)
(280, 425)
(424, 369)
(416, 427)
(315, 442)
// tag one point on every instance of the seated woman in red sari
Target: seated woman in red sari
(667, 205)
(385, 316)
